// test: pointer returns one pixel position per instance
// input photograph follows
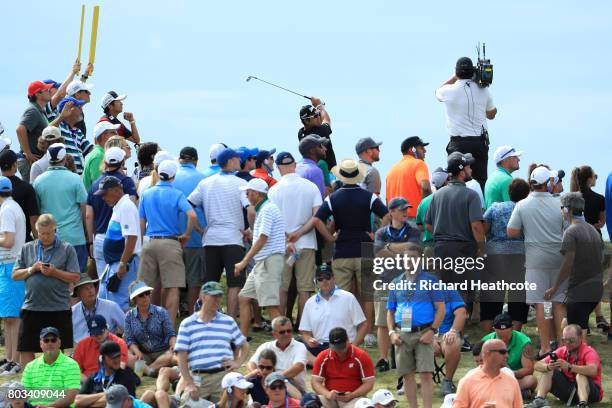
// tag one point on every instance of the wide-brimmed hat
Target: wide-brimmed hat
(350, 171)
(83, 280)
(139, 288)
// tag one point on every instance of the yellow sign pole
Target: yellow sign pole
(94, 35)
(81, 34)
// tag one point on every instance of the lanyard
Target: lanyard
(40, 254)
(102, 379)
(88, 316)
(396, 237)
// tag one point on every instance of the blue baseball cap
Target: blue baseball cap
(96, 325)
(284, 158)
(226, 155)
(76, 102)
(246, 153)
(49, 330)
(262, 155)
(52, 82)
(5, 185)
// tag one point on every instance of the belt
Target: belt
(415, 329)
(464, 137)
(208, 370)
(172, 237)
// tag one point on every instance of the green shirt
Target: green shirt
(420, 220)
(325, 169)
(515, 348)
(496, 187)
(55, 380)
(91, 170)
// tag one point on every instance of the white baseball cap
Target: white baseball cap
(56, 152)
(383, 397)
(114, 155)
(364, 403)
(503, 152)
(256, 184)
(235, 380)
(215, 150)
(161, 156)
(76, 86)
(448, 401)
(111, 97)
(167, 169)
(541, 175)
(4, 142)
(103, 126)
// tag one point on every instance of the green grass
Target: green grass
(389, 379)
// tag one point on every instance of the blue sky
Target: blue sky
(376, 64)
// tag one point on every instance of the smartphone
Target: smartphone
(46, 264)
(341, 393)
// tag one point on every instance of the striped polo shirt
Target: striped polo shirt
(208, 344)
(269, 222)
(63, 375)
(76, 144)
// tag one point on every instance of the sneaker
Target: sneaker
(382, 365)
(11, 369)
(538, 402)
(400, 384)
(602, 323)
(446, 387)
(4, 364)
(582, 404)
(531, 315)
(370, 340)
(467, 346)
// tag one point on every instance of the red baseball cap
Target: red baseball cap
(37, 86)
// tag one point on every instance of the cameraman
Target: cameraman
(467, 108)
(572, 371)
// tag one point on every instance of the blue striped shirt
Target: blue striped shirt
(208, 344)
(76, 144)
(154, 333)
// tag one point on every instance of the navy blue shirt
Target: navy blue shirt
(102, 212)
(421, 299)
(351, 207)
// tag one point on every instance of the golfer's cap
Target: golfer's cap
(311, 141)
(52, 82)
(274, 377)
(96, 325)
(110, 97)
(262, 155)
(110, 349)
(167, 169)
(439, 177)
(77, 86)
(502, 321)
(284, 158)
(37, 86)
(246, 153)
(51, 133)
(324, 270)
(212, 288)
(116, 396)
(49, 330)
(107, 183)
(188, 153)
(366, 143)
(449, 399)
(464, 63)
(456, 161)
(337, 338)
(310, 399)
(503, 152)
(256, 184)
(7, 159)
(412, 141)
(56, 152)
(541, 175)
(399, 203)
(364, 403)
(139, 288)
(308, 111)
(226, 155)
(383, 397)
(103, 126)
(161, 156)
(235, 380)
(114, 155)
(63, 102)
(5, 185)
(215, 150)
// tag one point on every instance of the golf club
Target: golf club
(284, 89)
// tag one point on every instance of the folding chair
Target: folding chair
(439, 373)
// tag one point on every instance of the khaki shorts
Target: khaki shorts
(337, 404)
(304, 269)
(149, 358)
(380, 314)
(210, 385)
(413, 356)
(264, 281)
(162, 260)
(194, 266)
(345, 269)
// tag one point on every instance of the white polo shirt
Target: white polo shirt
(294, 353)
(321, 315)
(296, 198)
(12, 219)
(125, 218)
(269, 222)
(466, 105)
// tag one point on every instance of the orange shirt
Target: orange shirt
(404, 180)
(262, 173)
(477, 388)
(87, 352)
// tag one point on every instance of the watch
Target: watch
(433, 329)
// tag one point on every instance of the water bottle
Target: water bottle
(291, 259)
(139, 367)
(548, 313)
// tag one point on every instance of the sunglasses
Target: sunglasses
(503, 352)
(50, 340)
(143, 294)
(281, 332)
(265, 367)
(275, 387)
(321, 279)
